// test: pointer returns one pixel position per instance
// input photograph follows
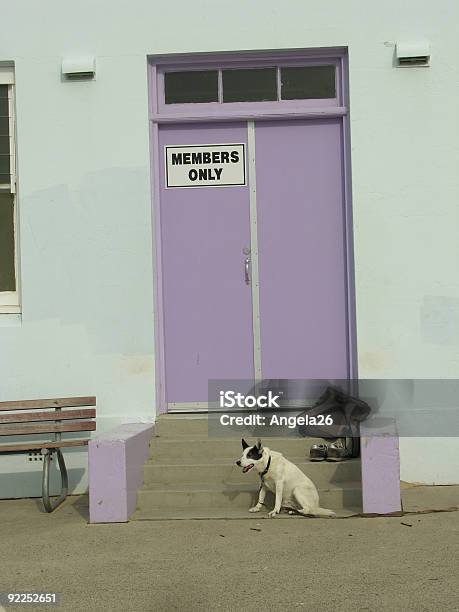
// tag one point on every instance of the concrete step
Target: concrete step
(199, 497)
(159, 475)
(192, 474)
(178, 425)
(177, 514)
(202, 425)
(205, 449)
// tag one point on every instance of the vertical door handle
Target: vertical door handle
(247, 270)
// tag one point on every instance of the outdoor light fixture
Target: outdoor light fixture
(412, 54)
(79, 68)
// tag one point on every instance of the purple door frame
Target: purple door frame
(379, 496)
(181, 114)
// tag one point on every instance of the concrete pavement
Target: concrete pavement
(400, 563)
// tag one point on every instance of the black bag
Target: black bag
(336, 415)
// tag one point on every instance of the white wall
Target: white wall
(85, 222)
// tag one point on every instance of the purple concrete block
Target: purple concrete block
(116, 461)
(380, 469)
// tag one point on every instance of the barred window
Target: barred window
(262, 84)
(9, 295)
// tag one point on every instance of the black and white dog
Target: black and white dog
(293, 490)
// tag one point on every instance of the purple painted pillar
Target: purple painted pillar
(116, 461)
(380, 469)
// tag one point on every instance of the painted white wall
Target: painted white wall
(84, 193)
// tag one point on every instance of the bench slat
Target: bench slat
(62, 402)
(30, 446)
(41, 428)
(57, 415)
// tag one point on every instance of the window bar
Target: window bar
(279, 83)
(220, 86)
(339, 83)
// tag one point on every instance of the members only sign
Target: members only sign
(220, 165)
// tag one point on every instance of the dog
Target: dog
(293, 490)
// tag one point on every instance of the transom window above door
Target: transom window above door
(251, 84)
(237, 86)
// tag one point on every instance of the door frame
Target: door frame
(249, 111)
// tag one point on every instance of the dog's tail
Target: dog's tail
(323, 512)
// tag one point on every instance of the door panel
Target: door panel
(300, 212)
(207, 304)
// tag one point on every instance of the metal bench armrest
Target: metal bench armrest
(49, 504)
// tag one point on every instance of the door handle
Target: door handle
(247, 270)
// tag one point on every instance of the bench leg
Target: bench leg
(48, 504)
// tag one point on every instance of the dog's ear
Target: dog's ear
(259, 445)
(244, 444)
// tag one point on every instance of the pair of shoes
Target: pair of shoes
(336, 451)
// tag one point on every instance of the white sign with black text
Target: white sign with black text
(219, 165)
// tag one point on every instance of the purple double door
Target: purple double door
(234, 313)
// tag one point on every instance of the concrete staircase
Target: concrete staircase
(193, 475)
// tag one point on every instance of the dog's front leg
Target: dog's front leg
(278, 502)
(261, 499)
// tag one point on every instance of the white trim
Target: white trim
(6, 75)
(191, 406)
(9, 309)
(255, 277)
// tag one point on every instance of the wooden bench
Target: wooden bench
(15, 422)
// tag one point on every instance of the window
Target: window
(9, 295)
(192, 86)
(5, 148)
(306, 82)
(249, 85)
(253, 84)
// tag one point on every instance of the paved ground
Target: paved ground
(408, 563)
